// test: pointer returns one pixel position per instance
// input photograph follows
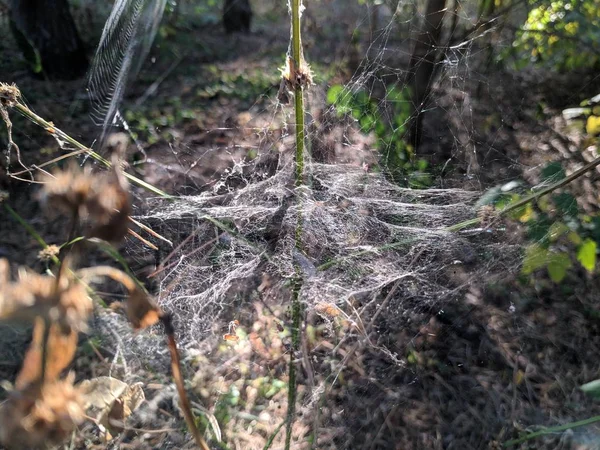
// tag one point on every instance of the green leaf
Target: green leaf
(334, 93)
(557, 229)
(558, 264)
(553, 172)
(367, 123)
(592, 388)
(539, 229)
(566, 203)
(586, 255)
(536, 257)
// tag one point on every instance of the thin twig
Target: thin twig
(141, 239)
(178, 377)
(534, 196)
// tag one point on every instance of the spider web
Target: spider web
(376, 257)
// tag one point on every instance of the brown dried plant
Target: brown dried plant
(142, 310)
(51, 350)
(62, 300)
(100, 199)
(44, 410)
(41, 415)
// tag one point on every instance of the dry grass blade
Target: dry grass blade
(150, 231)
(142, 240)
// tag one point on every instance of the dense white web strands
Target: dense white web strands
(360, 234)
(126, 40)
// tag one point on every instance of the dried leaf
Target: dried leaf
(142, 310)
(111, 401)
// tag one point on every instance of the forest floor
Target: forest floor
(506, 356)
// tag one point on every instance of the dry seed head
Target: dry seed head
(110, 207)
(41, 416)
(9, 94)
(487, 214)
(116, 145)
(101, 199)
(33, 295)
(68, 191)
(48, 253)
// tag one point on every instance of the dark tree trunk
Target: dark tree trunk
(47, 36)
(237, 15)
(422, 64)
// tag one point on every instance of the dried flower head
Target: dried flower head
(487, 214)
(65, 301)
(9, 94)
(48, 253)
(100, 199)
(68, 191)
(116, 145)
(41, 415)
(109, 209)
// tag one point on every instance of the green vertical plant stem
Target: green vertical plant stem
(298, 97)
(296, 309)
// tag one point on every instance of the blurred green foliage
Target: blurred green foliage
(564, 34)
(561, 237)
(388, 120)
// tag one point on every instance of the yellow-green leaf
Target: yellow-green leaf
(536, 256)
(526, 213)
(557, 229)
(586, 254)
(574, 238)
(593, 125)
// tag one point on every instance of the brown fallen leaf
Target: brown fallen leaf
(111, 401)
